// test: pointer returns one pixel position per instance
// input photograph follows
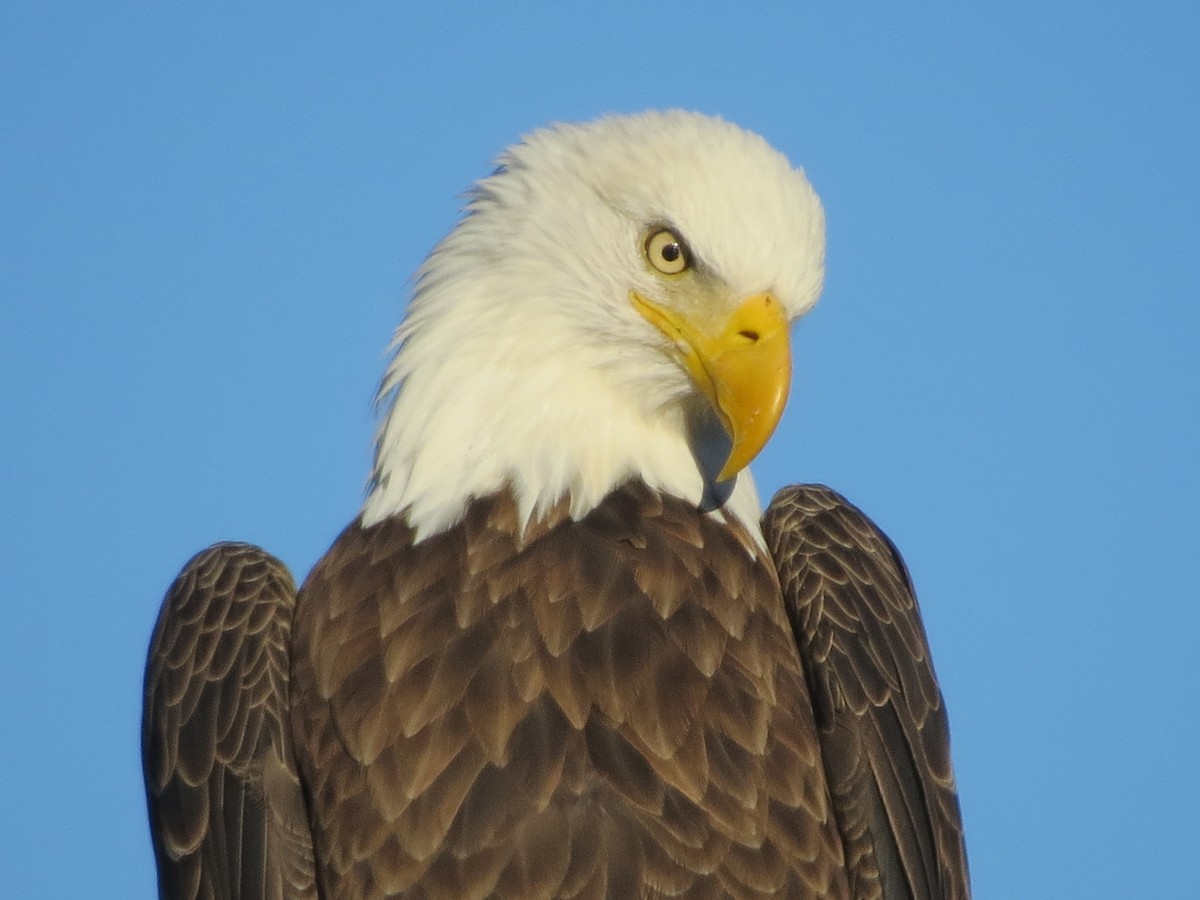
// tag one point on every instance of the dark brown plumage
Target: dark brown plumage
(623, 706)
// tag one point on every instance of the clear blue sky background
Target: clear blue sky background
(208, 217)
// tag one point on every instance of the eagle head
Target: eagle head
(613, 304)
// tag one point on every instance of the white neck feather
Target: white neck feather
(555, 421)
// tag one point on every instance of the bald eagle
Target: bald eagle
(562, 652)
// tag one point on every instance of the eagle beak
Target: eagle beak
(742, 364)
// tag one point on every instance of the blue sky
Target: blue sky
(209, 217)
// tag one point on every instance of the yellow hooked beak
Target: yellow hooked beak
(743, 364)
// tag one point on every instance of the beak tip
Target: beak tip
(738, 460)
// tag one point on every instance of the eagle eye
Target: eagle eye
(667, 252)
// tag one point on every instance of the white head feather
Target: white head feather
(521, 360)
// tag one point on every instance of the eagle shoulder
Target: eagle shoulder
(227, 815)
(881, 718)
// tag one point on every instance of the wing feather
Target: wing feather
(227, 814)
(882, 723)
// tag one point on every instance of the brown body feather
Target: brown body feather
(614, 707)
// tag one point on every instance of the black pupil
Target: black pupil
(671, 252)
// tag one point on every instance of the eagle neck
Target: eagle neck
(560, 429)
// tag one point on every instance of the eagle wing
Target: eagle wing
(227, 814)
(882, 723)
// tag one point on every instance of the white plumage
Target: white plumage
(521, 359)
